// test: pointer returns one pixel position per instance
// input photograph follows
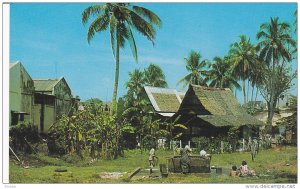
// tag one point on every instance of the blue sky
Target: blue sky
(50, 41)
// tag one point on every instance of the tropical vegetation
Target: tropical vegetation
(98, 134)
(196, 68)
(275, 51)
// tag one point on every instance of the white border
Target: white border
(5, 101)
(5, 93)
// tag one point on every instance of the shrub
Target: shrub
(149, 142)
(21, 134)
(72, 158)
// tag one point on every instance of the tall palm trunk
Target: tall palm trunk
(256, 93)
(248, 88)
(115, 92)
(235, 93)
(272, 100)
(244, 91)
(252, 93)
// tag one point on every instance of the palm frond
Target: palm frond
(99, 24)
(178, 135)
(144, 27)
(177, 118)
(92, 11)
(149, 15)
(132, 44)
(180, 126)
(185, 80)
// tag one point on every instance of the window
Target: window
(14, 118)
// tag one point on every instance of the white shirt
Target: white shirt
(202, 153)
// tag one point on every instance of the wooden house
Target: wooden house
(212, 112)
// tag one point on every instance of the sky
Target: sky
(50, 40)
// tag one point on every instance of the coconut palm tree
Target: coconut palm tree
(135, 83)
(154, 76)
(274, 46)
(220, 75)
(256, 77)
(120, 19)
(274, 41)
(242, 56)
(196, 69)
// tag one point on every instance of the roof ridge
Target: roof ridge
(210, 88)
(45, 79)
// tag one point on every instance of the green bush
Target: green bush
(149, 142)
(202, 143)
(22, 134)
(213, 144)
(72, 158)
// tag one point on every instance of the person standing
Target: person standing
(185, 160)
(151, 159)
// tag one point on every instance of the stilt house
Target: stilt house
(212, 112)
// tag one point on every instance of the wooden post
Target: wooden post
(180, 144)
(243, 144)
(189, 144)
(222, 147)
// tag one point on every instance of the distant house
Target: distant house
(21, 94)
(52, 98)
(38, 101)
(259, 105)
(285, 100)
(212, 112)
(165, 102)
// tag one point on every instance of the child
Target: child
(244, 169)
(234, 171)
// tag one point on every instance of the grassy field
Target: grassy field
(277, 165)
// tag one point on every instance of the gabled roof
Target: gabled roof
(217, 106)
(12, 64)
(45, 85)
(164, 101)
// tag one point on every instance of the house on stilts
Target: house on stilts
(211, 112)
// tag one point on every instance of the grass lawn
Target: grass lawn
(277, 165)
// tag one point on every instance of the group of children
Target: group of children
(243, 170)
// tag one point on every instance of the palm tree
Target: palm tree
(243, 56)
(274, 42)
(220, 76)
(135, 83)
(195, 67)
(155, 77)
(120, 19)
(274, 46)
(256, 77)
